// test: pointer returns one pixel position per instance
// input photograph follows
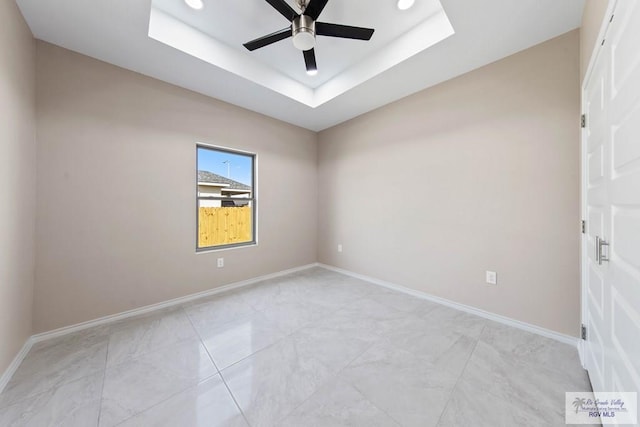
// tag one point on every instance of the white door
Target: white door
(611, 189)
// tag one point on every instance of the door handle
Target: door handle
(600, 243)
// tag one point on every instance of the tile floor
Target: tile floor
(314, 348)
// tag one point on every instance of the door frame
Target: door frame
(595, 56)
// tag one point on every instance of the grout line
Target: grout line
(286, 336)
(369, 347)
(216, 366)
(378, 341)
(104, 378)
(305, 400)
(201, 340)
(164, 400)
(50, 387)
(333, 376)
(355, 387)
(177, 392)
(182, 390)
(244, 416)
(460, 376)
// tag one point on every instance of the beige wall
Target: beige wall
(592, 17)
(17, 180)
(478, 173)
(116, 190)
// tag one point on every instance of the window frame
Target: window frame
(253, 200)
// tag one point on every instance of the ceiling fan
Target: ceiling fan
(304, 29)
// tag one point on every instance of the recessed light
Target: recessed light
(405, 4)
(195, 4)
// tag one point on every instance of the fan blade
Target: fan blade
(284, 9)
(268, 39)
(343, 31)
(314, 9)
(310, 61)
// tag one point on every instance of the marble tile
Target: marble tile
(319, 275)
(260, 295)
(217, 310)
(76, 403)
(448, 319)
(233, 341)
(328, 289)
(207, 404)
(338, 404)
(441, 347)
(291, 316)
(55, 362)
(339, 293)
(136, 385)
(272, 382)
(354, 285)
(140, 335)
(281, 291)
(409, 389)
(332, 297)
(471, 406)
(401, 301)
(332, 346)
(312, 348)
(525, 347)
(534, 389)
(353, 321)
(384, 319)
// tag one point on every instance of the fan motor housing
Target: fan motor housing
(304, 32)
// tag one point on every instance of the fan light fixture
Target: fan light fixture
(304, 28)
(195, 4)
(405, 4)
(304, 32)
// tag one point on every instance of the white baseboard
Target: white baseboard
(159, 306)
(13, 366)
(574, 341)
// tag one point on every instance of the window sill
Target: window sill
(226, 248)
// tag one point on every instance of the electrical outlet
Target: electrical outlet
(339, 247)
(492, 277)
(220, 262)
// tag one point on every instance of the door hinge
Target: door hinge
(584, 226)
(583, 121)
(583, 332)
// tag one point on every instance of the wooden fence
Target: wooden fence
(224, 226)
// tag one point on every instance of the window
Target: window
(226, 200)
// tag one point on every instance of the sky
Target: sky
(238, 168)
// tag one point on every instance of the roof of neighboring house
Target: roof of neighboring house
(210, 177)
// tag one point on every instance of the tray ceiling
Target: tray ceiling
(410, 50)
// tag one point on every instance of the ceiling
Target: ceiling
(236, 22)
(409, 51)
(345, 63)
